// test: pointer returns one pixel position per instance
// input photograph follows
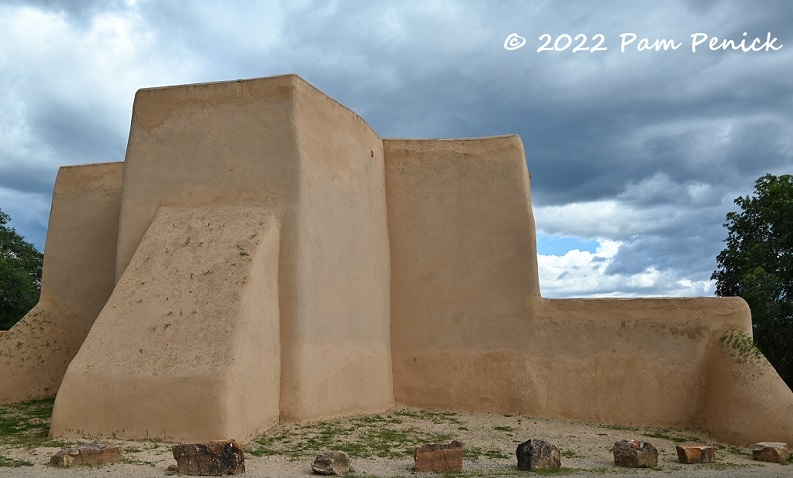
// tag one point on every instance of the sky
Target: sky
(637, 143)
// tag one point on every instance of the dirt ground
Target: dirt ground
(380, 446)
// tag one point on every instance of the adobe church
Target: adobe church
(261, 254)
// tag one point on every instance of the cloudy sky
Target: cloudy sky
(636, 151)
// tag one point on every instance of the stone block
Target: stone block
(439, 457)
(91, 454)
(774, 452)
(635, 454)
(331, 463)
(213, 458)
(695, 454)
(534, 455)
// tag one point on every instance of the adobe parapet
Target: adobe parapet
(274, 259)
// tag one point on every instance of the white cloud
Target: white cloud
(584, 274)
(606, 219)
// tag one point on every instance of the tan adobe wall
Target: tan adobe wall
(470, 331)
(747, 402)
(77, 279)
(336, 317)
(281, 145)
(188, 346)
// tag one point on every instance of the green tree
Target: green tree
(757, 264)
(20, 275)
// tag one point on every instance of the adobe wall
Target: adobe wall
(336, 319)
(77, 279)
(469, 329)
(280, 145)
(188, 345)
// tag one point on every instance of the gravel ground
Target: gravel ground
(489, 441)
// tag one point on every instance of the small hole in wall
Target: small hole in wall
(371, 153)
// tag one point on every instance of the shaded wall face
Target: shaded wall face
(335, 326)
(462, 240)
(82, 237)
(463, 257)
(78, 277)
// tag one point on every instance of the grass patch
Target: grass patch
(480, 474)
(503, 429)
(12, 463)
(722, 466)
(435, 416)
(664, 436)
(27, 424)
(600, 469)
(736, 450)
(475, 453)
(557, 471)
(359, 437)
(629, 428)
(569, 454)
(742, 348)
(135, 461)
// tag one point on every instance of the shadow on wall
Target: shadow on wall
(263, 255)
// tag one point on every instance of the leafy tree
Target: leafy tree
(757, 265)
(20, 275)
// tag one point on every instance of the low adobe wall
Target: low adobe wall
(469, 329)
(77, 279)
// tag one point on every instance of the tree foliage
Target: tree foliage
(20, 275)
(757, 264)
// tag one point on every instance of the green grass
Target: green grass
(135, 461)
(736, 450)
(27, 424)
(630, 428)
(435, 416)
(11, 463)
(360, 437)
(664, 434)
(475, 453)
(741, 346)
(720, 466)
(503, 429)
(556, 471)
(569, 454)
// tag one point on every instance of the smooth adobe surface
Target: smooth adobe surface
(278, 260)
(336, 310)
(470, 331)
(316, 168)
(188, 345)
(77, 279)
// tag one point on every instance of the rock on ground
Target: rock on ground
(635, 454)
(97, 453)
(536, 455)
(774, 452)
(331, 463)
(215, 458)
(439, 457)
